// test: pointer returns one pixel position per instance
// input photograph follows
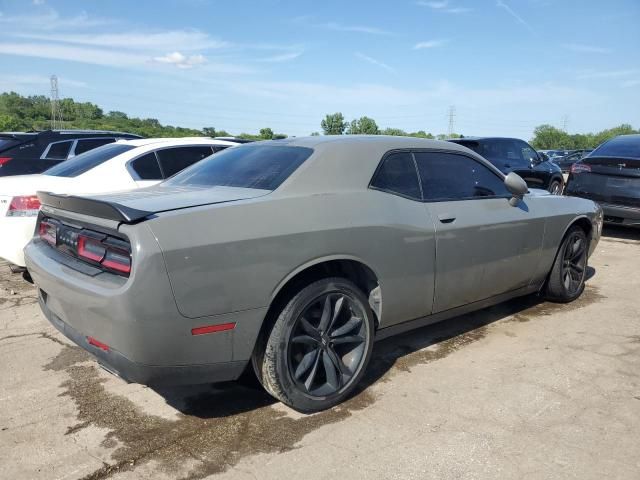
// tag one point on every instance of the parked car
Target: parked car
(555, 153)
(515, 155)
(567, 161)
(34, 152)
(293, 256)
(122, 165)
(610, 175)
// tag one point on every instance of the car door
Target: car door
(484, 246)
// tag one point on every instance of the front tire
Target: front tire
(319, 347)
(567, 277)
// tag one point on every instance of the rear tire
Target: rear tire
(567, 277)
(555, 188)
(319, 347)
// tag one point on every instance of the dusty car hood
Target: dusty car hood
(163, 198)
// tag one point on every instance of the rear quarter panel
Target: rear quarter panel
(226, 258)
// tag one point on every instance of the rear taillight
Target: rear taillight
(48, 232)
(4, 160)
(104, 253)
(110, 253)
(580, 168)
(26, 206)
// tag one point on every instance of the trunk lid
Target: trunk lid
(614, 180)
(134, 206)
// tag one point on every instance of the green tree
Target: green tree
(315, 134)
(546, 137)
(266, 133)
(393, 131)
(334, 124)
(363, 126)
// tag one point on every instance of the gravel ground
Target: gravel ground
(526, 389)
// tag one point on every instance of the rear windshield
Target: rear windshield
(6, 143)
(625, 146)
(86, 161)
(248, 166)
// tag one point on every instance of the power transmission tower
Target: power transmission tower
(565, 122)
(56, 113)
(452, 115)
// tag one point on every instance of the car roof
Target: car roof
(383, 141)
(141, 142)
(462, 139)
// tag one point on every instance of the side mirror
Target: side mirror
(517, 186)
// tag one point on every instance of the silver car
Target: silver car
(293, 256)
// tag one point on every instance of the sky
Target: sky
(505, 66)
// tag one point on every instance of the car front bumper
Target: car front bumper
(132, 326)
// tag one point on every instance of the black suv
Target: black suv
(515, 155)
(35, 152)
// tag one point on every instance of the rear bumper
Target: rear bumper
(15, 234)
(620, 215)
(148, 340)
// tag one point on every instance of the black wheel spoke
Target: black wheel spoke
(333, 379)
(576, 268)
(348, 339)
(337, 308)
(348, 327)
(312, 375)
(309, 329)
(337, 362)
(306, 363)
(307, 339)
(326, 315)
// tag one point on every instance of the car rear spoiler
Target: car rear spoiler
(93, 207)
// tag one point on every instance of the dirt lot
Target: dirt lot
(523, 390)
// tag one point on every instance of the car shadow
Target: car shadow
(401, 351)
(621, 233)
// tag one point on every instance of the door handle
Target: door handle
(446, 218)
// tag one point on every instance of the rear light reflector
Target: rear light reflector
(48, 232)
(4, 160)
(213, 328)
(98, 344)
(580, 167)
(26, 206)
(90, 249)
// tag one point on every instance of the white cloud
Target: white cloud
(36, 82)
(519, 19)
(355, 28)
(375, 62)
(180, 60)
(580, 48)
(429, 44)
(443, 6)
(284, 57)
(50, 21)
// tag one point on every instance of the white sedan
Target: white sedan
(124, 165)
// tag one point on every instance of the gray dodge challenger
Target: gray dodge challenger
(292, 256)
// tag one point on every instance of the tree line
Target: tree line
(24, 113)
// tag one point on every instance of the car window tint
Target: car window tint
(59, 150)
(397, 174)
(449, 176)
(147, 167)
(258, 166)
(624, 146)
(172, 160)
(529, 155)
(88, 160)
(91, 143)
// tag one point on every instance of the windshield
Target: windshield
(88, 160)
(624, 146)
(250, 166)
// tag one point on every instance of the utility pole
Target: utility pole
(452, 115)
(56, 113)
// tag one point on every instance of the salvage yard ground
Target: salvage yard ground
(526, 389)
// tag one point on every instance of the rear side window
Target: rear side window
(625, 146)
(262, 167)
(173, 160)
(397, 174)
(146, 167)
(88, 160)
(91, 143)
(58, 151)
(449, 176)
